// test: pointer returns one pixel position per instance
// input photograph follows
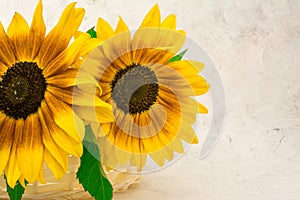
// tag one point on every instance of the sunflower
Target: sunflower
(150, 96)
(37, 123)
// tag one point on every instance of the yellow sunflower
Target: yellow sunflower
(150, 96)
(37, 122)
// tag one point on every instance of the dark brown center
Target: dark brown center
(22, 89)
(134, 89)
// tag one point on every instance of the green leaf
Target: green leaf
(90, 173)
(16, 192)
(178, 56)
(92, 32)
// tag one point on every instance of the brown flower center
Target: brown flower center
(22, 89)
(134, 89)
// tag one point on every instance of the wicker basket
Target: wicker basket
(68, 187)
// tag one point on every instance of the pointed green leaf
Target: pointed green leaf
(17, 192)
(92, 32)
(178, 56)
(90, 173)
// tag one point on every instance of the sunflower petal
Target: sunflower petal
(84, 99)
(158, 157)
(189, 71)
(41, 178)
(80, 47)
(156, 40)
(152, 19)
(22, 181)
(65, 79)
(139, 160)
(65, 118)
(50, 145)
(122, 156)
(194, 67)
(176, 145)
(121, 26)
(99, 114)
(117, 50)
(105, 128)
(55, 42)
(7, 129)
(7, 54)
(202, 108)
(103, 29)
(72, 77)
(18, 31)
(169, 22)
(37, 31)
(187, 134)
(63, 94)
(55, 166)
(30, 151)
(63, 140)
(107, 153)
(12, 171)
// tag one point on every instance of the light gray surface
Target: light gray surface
(255, 46)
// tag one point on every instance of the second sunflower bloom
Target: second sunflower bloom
(150, 96)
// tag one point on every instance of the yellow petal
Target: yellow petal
(56, 42)
(95, 128)
(30, 151)
(37, 31)
(53, 149)
(176, 145)
(158, 157)
(105, 128)
(122, 156)
(199, 85)
(7, 129)
(193, 66)
(65, 142)
(65, 118)
(182, 32)
(66, 79)
(56, 168)
(80, 47)
(41, 178)
(7, 53)
(17, 27)
(189, 71)
(18, 31)
(88, 45)
(157, 40)
(12, 170)
(202, 108)
(107, 153)
(169, 22)
(83, 98)
(121, 26)
(117, 50)
(152, 19)
(139, 160)
(99, 114)
(22, 181)
(78, 33)
(63, 94)
(162, 154)
(103, 29)
(96, 63)
(187, 133)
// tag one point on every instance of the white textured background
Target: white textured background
(256, 48)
